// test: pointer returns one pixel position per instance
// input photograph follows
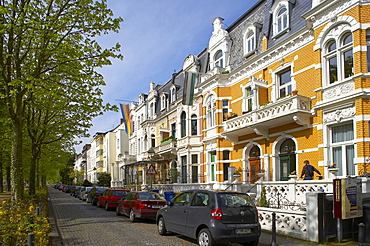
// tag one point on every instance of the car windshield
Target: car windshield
(149, 196)
(119, 193)
(234, 200)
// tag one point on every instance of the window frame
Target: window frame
(194, 125)
(279, 17)
(183, 132)
(343, 162)
(338, 54)
(211, 111)
(219, 59)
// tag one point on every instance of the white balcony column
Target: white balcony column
(265, 165)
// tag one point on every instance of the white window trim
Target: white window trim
(173, 94)
(253, 97)
(211, 110)
(253, 30)
(329, 153)
(163, 101)
(276, 92)
(219, 60)
(275, 11)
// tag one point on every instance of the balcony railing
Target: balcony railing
(285, 110)
(166, 146)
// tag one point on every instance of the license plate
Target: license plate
(157, 206)
(243, 231)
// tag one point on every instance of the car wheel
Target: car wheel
(117, 211)
(161, 226)
(253, 243)
(205, 238)
(106, 206)
(98, 204)
(132, 216)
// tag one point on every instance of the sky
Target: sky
(156, 36)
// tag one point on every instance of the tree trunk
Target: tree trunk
(1, 175)
(32, 182)
(16, 173)
(8, 183)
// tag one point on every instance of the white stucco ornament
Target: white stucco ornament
(219, 32)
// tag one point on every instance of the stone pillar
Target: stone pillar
(315, 215)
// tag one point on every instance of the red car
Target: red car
(140, 204)
(109, 198)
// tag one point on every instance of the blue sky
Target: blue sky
(156, 37)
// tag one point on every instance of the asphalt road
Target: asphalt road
(80, 223)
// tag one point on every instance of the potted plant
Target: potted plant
(232, 115)
(237, 172)
(261, 173)
(295, 92)
(293, 175)
(333, 169)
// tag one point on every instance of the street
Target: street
(80, 223)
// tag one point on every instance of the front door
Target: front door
(255, 164)
(287, 159)
(284, 168)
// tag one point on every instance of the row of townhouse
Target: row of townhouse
(286, 82)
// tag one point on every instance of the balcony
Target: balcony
(167, 147)
(285, 110)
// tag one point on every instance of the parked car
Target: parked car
(93, 195)
(211, 217)
(78, 191)
(109, 198)
(84, 193)
(74, 189)
(140, 204)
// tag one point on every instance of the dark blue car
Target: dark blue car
(211, 217)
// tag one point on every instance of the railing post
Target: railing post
(273, 242)
(31, 239)
(361, 234)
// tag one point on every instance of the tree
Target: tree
(48, 50)
(104, 179)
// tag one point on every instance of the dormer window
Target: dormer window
(250, 42)
(281, 17)
(173, 94)
(163, 102)
(219, 61)
(152, 109)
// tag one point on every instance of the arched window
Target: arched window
(339, 58)
(282, 19)
(211, 111)
(183, 124)
(254, 152)
(194, 125)
(163, 102)
(173, 94)
(219, 61)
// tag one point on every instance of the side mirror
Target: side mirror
(169, 203)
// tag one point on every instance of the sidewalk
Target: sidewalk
(266, 239)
